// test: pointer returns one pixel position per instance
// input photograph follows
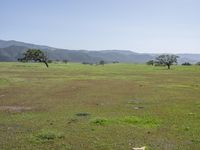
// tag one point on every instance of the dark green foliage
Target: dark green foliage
(46, 135)
(65, 61)
(166, 60)
(87, 63)
(198, 63)
(115, 62)
(21, 60)
(159, 65)
(150, 62)
(186, 64)
(101, 62)
(82, 114)
(100, 121)
(49, 61)
(34, 55)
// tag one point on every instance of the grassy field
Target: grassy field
(111, 107)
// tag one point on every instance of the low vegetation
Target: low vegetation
(186, 64)
(198, 63)
(143, 122)
(118, 106)
(150, 62)
(46, 136)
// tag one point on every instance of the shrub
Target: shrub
(65, 61)
(49, 61)
(100, 121)
(186, 64)
(102, 62)
(87, 63)
(157, 64)
(198, 63)
(82, 114)
(150, 62)
(46, 135)
(115, 62)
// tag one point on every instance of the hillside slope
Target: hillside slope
(12, 50)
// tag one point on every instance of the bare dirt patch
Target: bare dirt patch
(138, 107)
(2, 96)
(15, 108)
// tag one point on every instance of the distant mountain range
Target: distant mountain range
(12, 50)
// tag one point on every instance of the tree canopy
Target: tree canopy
(35, 55)
(166, 60)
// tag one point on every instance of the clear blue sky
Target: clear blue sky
(139, 25)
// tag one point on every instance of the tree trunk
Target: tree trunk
(46, 64)
(168, 66)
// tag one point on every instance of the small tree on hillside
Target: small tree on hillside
(35, 55)
(166, 60)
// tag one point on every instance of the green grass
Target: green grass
(46, 136)
(142, 122)
(111, 107)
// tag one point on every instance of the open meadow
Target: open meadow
(87, 107)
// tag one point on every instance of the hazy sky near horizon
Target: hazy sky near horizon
(153, 26)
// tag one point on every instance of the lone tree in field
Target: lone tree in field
(166, 60)
(35, 55)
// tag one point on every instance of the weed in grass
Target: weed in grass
(82, 114)
(187, 128)
(145, 122)
(3, 82)
(191, 114)
(65, 146)
(101, 121)
(46, 136)
(196, 141)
